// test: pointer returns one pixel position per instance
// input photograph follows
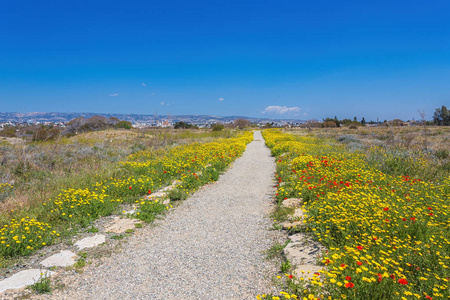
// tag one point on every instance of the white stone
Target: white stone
(290, 225)
(156, 195)
(292, 202)
(63, 259)
(303, 250)
(298, 213)
(121, 225)
(90, 242)
(174, 184)
(23, 279)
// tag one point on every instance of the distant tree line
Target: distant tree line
(183, 125)
(329, 122)
(52, 132)
(94, 123)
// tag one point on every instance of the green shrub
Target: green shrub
(217, 127)
(124, 125)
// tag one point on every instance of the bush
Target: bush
(124, 124)
(328, 124)
(441, 154)
(217, 127)
(8, 132)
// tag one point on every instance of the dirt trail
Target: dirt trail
(210, 247)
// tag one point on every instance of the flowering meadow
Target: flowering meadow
(143, 173)
(388, 236)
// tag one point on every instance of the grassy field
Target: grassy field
(394, 150)
(377, 198)
(50, 189)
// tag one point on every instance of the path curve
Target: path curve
(210, 247)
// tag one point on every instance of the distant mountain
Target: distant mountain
(143, 120)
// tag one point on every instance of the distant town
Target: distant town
(138, 121)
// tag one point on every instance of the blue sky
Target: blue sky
(290, 59)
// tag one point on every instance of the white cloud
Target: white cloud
(275, 109)
(221, 99)
(162, 103)
(114, 95)
(143, 84)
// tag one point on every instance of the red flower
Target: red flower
(149, 191)
(379, 277)
(290, 276)
(404, 219)
(129, 187)
(374, 238)
(413, 219)
(359, 247)
(327, 261)
(387, 220)
(392, 276)
(430, 214)
(343, 265)
(386, 208)
(349, 285)
(428, 297)
(403, 281)
(359, 263)
(348, 278)
(429, 208)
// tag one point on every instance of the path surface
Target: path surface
(210, 247)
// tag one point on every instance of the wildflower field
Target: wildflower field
(141, 174)
(388, 235)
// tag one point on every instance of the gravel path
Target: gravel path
(209, 247)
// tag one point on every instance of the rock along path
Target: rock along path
(209, 247)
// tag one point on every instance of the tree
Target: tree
(45, 134)
(181, 124)
(241, 123)
(363, 122)
(112, 121)
(441, 116)
(74, 126)
(96, 123)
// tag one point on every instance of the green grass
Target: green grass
(276, 250)
(42, 286)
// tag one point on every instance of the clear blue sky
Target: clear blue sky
(292, 59)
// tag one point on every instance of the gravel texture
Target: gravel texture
(209, 247)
